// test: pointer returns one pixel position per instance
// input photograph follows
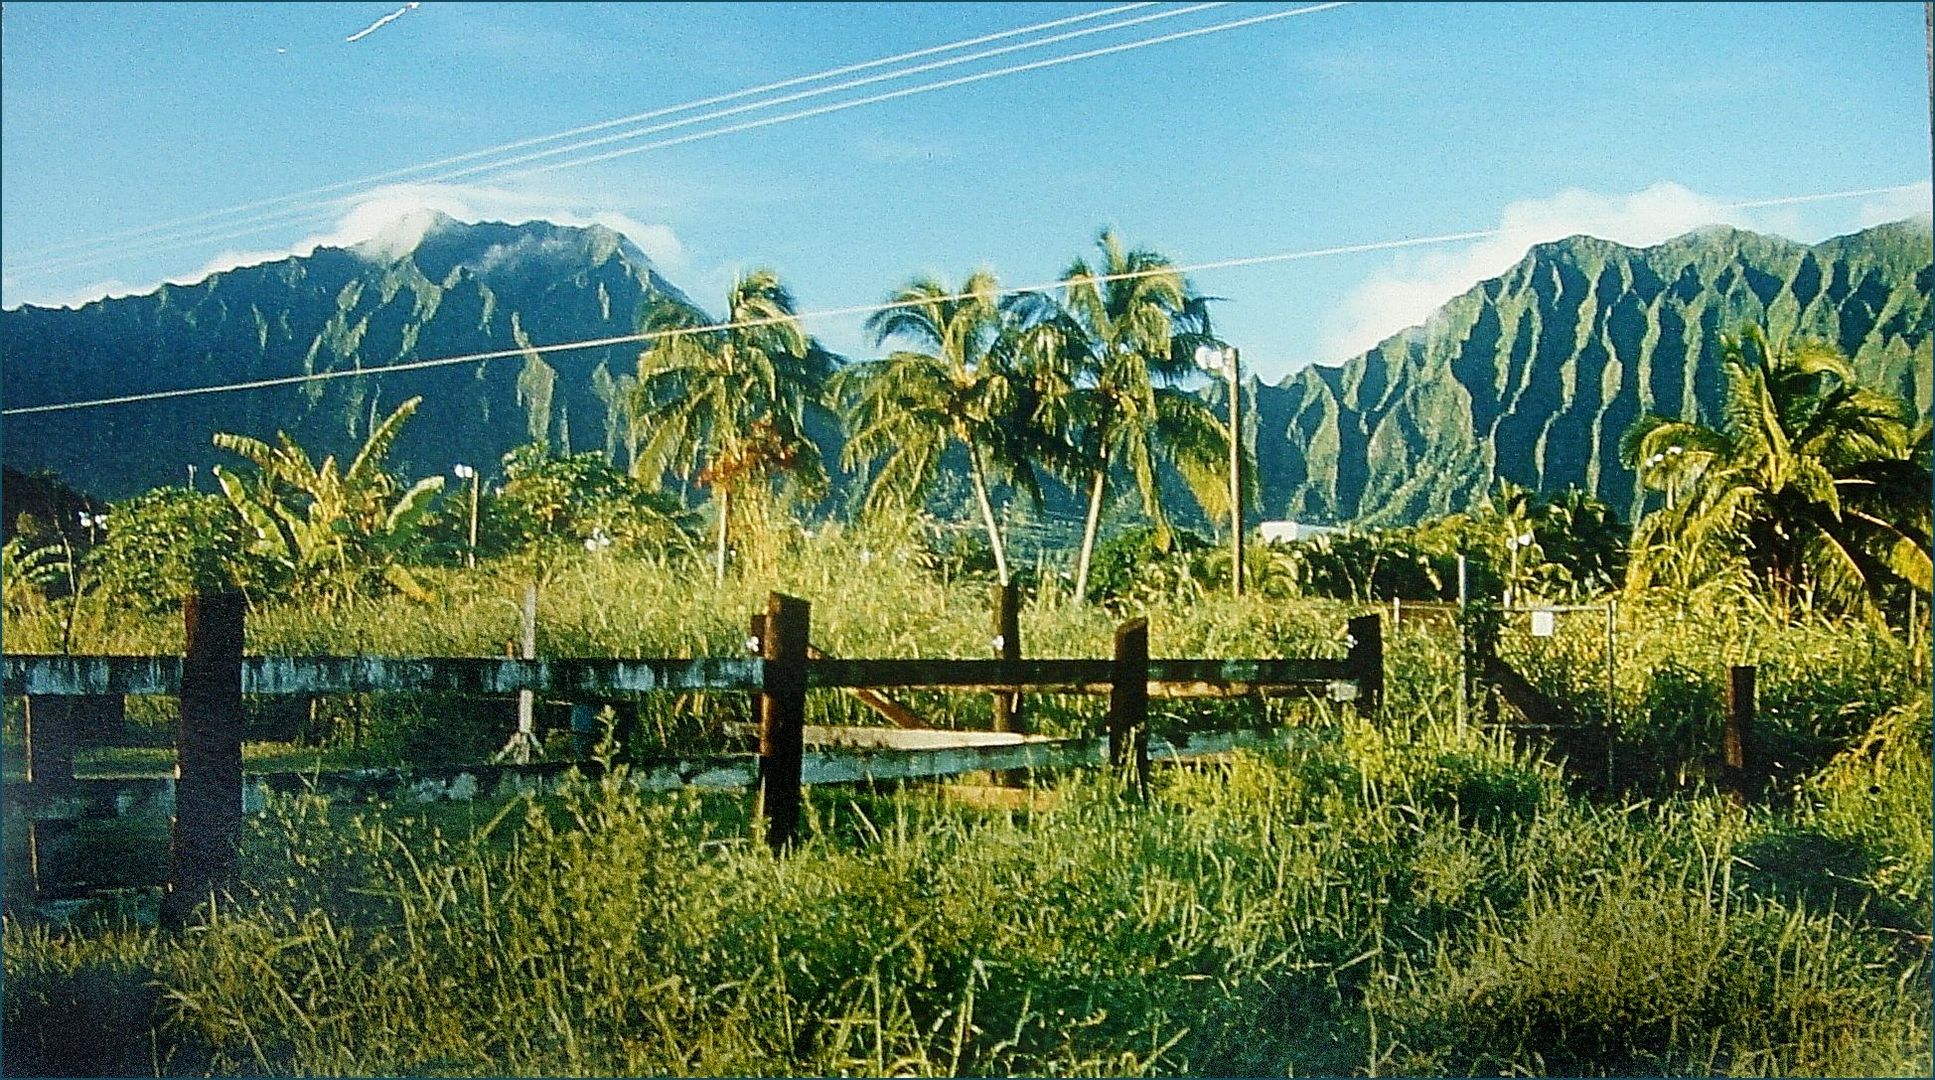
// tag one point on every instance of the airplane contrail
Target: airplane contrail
(385, 20)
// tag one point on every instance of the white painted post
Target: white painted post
(523, 744)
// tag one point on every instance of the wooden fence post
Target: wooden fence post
(782, 716)
(50, 737)
(1737, 734)
(1007, 646)
(208, 749)
(1367, 662)
(1129, 700)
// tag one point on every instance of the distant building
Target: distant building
(1284, 532)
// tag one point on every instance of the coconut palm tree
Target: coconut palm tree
(957, 385)
(1814, 479)
(730, 400)
(1109, 356)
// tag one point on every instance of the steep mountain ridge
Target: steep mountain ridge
(458, 289)
(1533, 376)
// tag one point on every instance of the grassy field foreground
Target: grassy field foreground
(1409, 896)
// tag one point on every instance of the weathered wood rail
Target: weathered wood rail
(87, 676)
(209, 791)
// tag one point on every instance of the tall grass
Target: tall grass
(1377, 904)
(1412, 896)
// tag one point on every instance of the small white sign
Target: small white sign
(1543, 623)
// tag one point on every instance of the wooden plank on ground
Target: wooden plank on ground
(112, 795)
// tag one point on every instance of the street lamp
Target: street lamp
(1224, 360)
(1672, 488)
(1513, 544)
(465, 472)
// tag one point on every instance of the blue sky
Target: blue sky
(1356, 125)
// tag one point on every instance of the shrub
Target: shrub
(170, 542)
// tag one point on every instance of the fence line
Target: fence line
(212, 678)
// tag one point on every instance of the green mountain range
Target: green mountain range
(1531, 376)
(461, 289)
(1534, 375)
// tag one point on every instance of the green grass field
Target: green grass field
(1413, 895)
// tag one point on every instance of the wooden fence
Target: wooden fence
(208, 791)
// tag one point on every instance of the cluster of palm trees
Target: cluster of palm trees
(1075, 384)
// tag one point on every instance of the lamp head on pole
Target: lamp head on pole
(464, 472)
(1219, 359)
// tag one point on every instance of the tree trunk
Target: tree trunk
(987, 515)
(725, 514)
(1089, 529)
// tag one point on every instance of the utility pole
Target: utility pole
(1236, 473)
(1225, 360)
(465, 472)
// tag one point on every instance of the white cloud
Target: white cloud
(1415, 284)
(391, 221)
(1907, 202)
(85, 294)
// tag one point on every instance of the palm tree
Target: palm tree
(1812, 477)
(1125, 332)
(319, 519)
(958, 385)
(732, 399)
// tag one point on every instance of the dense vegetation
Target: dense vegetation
(1417, 892)
(1535, 376)
(1409, 895)
(1531, 377)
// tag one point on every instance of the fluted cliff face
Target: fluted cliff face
(461, 289)
(1533, 376)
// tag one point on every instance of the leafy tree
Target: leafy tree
(170, 542)
(961, 384)
(731, 402)
(29, 572)
(1811, 478)
(1108, 357)
(336, 530)
(1137, 565)
(581, 500)
(1582, 544)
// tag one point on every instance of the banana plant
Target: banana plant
(332, 527)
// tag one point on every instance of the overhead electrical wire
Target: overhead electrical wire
(313, 211)
(859, 309)
(520, 144)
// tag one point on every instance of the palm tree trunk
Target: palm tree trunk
(987, 515)
(1089, 529)
(719, 558)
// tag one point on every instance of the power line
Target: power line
(926, 87)
(393, 174)
(805, 113)
(310, 212)
(859, 309)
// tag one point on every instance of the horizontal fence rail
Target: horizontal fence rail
(77, 701)
(86, 676)
(113, 796)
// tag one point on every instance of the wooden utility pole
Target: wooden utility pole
(1236, 472)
